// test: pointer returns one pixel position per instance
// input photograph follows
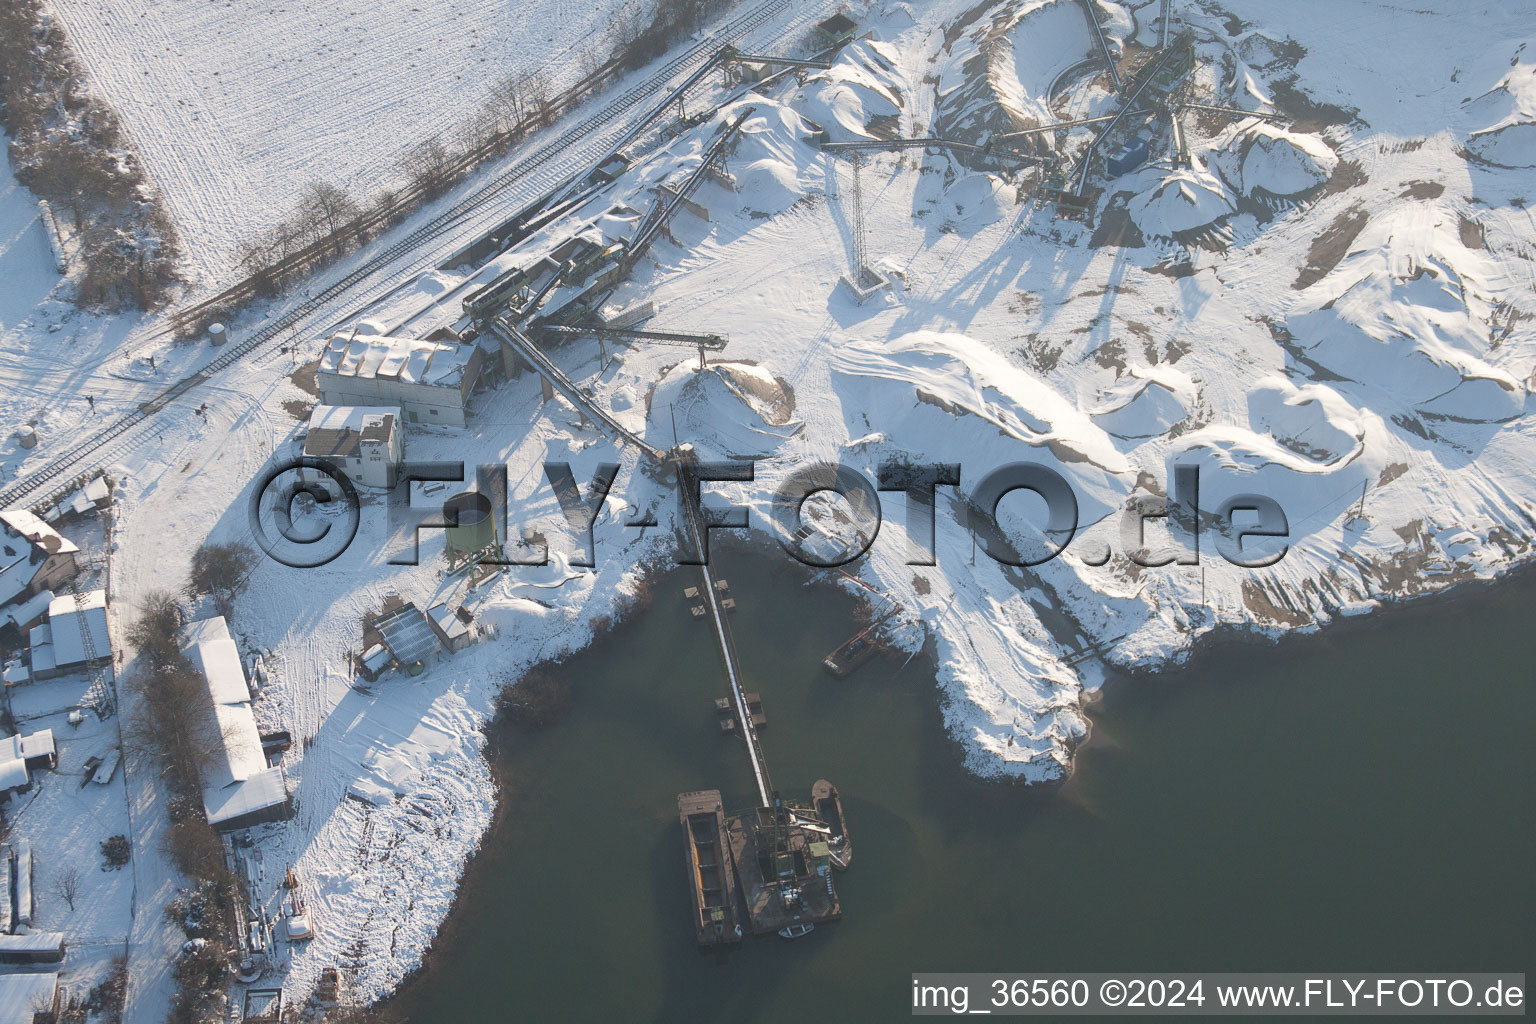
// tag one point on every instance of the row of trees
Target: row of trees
(328, 221)
(68, 147)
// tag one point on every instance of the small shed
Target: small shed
(1128, 157)
(31, 612)
(21, 873)
(26, 993)
(836, 29)
(374, 660)
(452, 629)
(407, 634)
(32, 948)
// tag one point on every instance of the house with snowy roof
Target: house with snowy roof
(25, 993)
(430, 381)
(363, 441)
(33, 556)
(240, 788)
(20, 756)
(75, 637)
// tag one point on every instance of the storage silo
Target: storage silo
(471, 524)
(217, 335)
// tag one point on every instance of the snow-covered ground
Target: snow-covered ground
(236, 107)
(1310, 312)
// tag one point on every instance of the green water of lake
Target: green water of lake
(1357, 801)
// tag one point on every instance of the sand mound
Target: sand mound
(1147, 405)
(1266, 160)
(1048, 37)
(727, 409)
(862, 88)
(964, 377)
(1183, 204)
(1406, 317)
(773, 158)
(976, 200)
(1313, 421)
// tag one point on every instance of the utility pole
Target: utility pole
(858, 224)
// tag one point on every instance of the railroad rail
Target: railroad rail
(72, 461)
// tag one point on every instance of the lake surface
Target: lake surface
(1363, 800)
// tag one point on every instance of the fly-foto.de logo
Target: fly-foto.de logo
(306, 512)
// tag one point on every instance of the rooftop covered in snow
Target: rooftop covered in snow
(240, 789)
(338, 431)
(26, 542)
(410, 360)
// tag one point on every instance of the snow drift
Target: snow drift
(862, 87)
(1510, 136)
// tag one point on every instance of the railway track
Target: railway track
(61, 472)
(704, 52)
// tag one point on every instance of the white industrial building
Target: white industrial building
(429, 381)
(240, 788)
(33, 556)
(364, 441)
(74, 638)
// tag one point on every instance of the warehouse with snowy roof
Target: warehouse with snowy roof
(430, 381)
(240, 788)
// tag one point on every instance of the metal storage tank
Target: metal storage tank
(471, 523)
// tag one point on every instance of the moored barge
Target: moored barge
(829, 808)
(711, 883)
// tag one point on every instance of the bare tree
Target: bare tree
(219, 571)
(66, 885)
(541, 106)
(153, 633)
(507, 103)
(330, 208)
(429, 166)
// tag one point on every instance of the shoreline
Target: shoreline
(1225, 640)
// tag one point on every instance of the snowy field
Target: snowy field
(1333, 311)
(236, 107)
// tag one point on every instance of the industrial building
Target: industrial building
(429, 381)
(365, 442)
(75, 637)
(33, 556)
(240, 788)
